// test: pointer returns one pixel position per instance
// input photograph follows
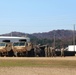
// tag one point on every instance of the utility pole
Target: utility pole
(11, 34)
(74, 37)
(54, 39)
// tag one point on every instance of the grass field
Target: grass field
(38, 66)
(38, 62)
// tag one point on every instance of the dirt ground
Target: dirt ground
(38, 70)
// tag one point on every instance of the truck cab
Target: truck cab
(21, 48)
(5, 47)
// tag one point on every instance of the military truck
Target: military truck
(5, 48)
(13, 46)
(21, 48)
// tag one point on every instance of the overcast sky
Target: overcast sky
(31, 16)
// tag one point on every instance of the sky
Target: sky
(34, 16)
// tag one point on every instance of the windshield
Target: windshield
(16, 44)
(21, 43)
(2, 44)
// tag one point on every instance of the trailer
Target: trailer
(72, 48)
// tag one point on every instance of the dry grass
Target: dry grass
(38, 66)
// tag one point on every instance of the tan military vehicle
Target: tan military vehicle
(21, 48)
(5, 47)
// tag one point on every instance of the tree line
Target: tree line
(58, 42)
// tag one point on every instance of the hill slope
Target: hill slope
(59, 34)
(63, 37)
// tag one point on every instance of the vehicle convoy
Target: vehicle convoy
(10, 46)
(21, 46)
